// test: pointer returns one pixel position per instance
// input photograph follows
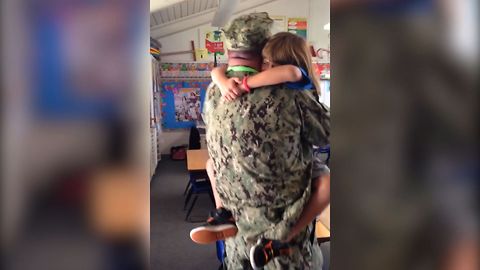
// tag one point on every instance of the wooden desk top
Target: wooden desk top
(321, 231)
(322, 227)
(197, 159)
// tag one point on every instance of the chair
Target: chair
(325, 150)
(199, 184)
(325, 248)
(193, 143)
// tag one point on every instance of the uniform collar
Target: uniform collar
(242, 69)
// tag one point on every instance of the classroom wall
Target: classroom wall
(319, 15)
(316, 11)
(172, 138)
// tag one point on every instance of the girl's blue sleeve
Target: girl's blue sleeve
(304, 84)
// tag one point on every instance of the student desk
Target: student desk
(322, 232)
(322, 226)
(197, 159)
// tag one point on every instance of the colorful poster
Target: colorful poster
(187, 104)
(214, 42)
(298, 26)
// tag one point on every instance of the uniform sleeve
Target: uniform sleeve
(208, 103)
(315, 119)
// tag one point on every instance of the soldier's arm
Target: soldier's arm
(315, 118)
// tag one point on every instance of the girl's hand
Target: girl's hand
(230, 89)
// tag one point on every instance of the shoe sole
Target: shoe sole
(252, 253)
(252, 261)
(205, 235)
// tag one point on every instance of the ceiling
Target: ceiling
(180, 10)
(158, 4)
(184, 15)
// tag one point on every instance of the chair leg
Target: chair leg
(186, 188)
(187, 199)
(191, 206)
(210, 193)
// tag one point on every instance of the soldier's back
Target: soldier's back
(256, 140)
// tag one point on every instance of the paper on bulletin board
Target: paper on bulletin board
(279, 24)
(182, 102)
(298, 26)
(212, 39)
(201, 54)
(187, 104)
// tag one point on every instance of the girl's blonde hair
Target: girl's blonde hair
(285, 48)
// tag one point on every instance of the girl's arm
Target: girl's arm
(218, 75)
(275, 75)
(229, 87)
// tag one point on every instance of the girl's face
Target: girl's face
(267, 62)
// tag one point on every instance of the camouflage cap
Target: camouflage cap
(248, 32)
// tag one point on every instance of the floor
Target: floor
(170, 243)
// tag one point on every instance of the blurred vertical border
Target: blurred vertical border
(405, 164)
(75, 178)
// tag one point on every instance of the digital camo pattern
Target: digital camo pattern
(261, 147)
(248, 32)
(304, 255)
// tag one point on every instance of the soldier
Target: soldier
(261, 146)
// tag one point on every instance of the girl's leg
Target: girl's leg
(318, 201)
(220, 224)
(211, 175)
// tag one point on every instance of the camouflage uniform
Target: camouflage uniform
(261, 146)
(240, 37)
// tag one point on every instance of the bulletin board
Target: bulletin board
(185, 70)
(182, 102)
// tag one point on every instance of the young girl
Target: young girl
(286, 59)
